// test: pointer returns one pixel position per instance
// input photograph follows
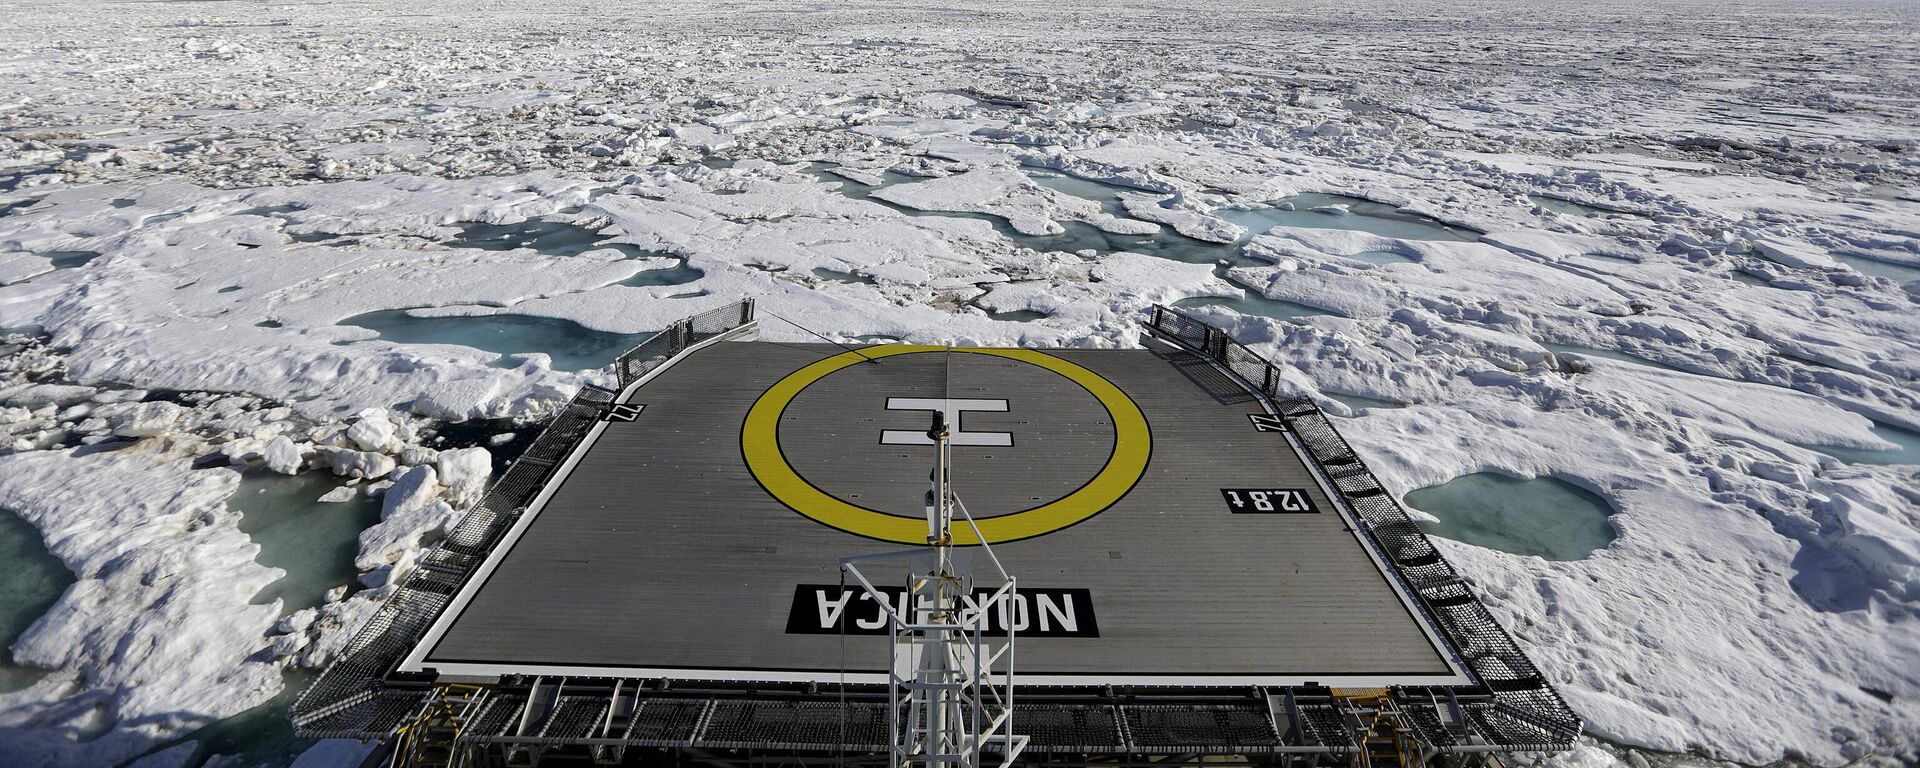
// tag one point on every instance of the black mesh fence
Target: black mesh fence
(575, 717)
(377, 713)
(666, 723)
(1168, 729)
(677, 337)
(1182, 327)
(1070, 728)
(861, 727)
(499, 714)
(355, 679)
(646, 357)
(1216, 344)
(1323, 724)
(799, 725)
(1425, 724)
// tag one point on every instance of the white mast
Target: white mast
(932, 710)
(948, 704)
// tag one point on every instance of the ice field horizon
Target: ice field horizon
(1620, 300)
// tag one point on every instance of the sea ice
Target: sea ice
(187, 218)
(157, 636)
(284, 456)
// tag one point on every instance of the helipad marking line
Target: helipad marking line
(760, 447)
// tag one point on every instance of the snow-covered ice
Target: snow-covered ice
(195, 197)
(146, 639)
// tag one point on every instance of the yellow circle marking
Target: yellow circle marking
(760, 444)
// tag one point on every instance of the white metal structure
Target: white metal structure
(950, 693)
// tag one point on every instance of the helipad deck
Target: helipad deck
(1160, 536)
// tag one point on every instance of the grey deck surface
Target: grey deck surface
(660, 550)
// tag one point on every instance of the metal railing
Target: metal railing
(1215, 343)
(1528, 713)
(823, 726)
(636, 362)
(353, 695)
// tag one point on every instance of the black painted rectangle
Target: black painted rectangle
(828, 609)
(1269, 501)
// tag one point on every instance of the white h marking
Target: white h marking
(953, 409)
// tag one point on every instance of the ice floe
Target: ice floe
(1665, 274)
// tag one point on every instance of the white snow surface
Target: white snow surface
(157, 635)
(251, 176)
